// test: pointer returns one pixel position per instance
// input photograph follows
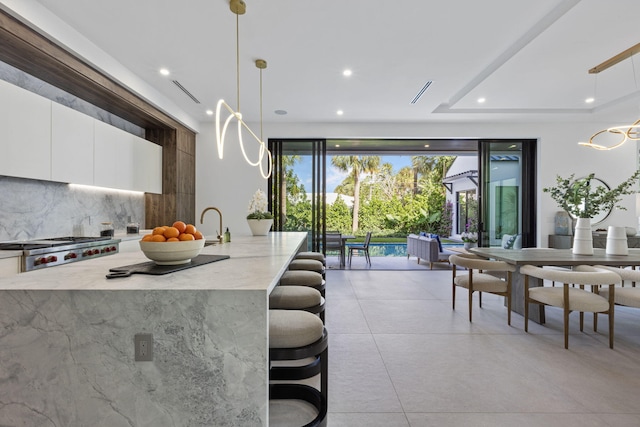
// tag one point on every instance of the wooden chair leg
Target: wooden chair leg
(526, 303)
(566, 316)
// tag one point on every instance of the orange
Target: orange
(198, 235)
(173, 239)
(147, 238)
(181, 226)
(158, 230)
(158, 238)
(190, 229)
(171, 232)
(186, 236)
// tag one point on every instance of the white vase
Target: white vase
(469, 245)
(617, 241)
(583, 237)
(260, 227)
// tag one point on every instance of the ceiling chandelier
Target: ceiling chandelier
(621, 133)
(239, 8)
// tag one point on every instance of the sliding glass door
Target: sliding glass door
(507, 191)
(298, 199)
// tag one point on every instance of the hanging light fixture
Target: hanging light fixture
(239, 8)
(621, 133)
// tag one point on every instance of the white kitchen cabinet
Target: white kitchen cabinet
(25, 133)
(125, 161)
(71, 145)
(112, 158)
(9, 266)
(148, 170)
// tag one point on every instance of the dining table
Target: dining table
(548, 257)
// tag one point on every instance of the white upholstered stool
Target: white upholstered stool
(307, 265)
(299, 335)
(296, 298)
(318, 256)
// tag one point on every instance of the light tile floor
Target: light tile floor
(400, 356)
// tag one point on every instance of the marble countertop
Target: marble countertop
(255, 263)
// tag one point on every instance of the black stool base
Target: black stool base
(302, 392)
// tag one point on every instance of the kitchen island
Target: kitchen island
(67, 342)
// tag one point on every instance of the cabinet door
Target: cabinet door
(71, 145)
(9, 266)
(112, 157)
(25, 133)
(148, 170)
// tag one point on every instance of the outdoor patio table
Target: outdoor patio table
(549, 257)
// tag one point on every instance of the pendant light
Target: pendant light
(239, 8)
(622, 133)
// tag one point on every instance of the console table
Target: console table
(599, 241)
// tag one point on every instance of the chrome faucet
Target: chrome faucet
(220, 238)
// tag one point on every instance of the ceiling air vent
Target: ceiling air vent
(423, 90)
(182, 88)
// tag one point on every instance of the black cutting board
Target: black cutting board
(152, 268)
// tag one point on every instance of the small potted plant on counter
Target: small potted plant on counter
(259, 218)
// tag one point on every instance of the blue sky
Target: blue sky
(334, 177)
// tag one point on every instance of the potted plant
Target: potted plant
(259, 219)
(580, 199)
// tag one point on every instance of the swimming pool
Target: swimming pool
(392, 249)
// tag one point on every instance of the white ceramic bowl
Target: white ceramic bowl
(172, 253)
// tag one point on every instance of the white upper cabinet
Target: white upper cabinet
(125, 161)
(41, 139)
(25, 133)
(71, 145)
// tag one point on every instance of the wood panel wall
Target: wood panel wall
(29, 51)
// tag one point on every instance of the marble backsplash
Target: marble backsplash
(32, 209)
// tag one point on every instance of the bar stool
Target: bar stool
(307, 264)
(297, 335)
(296, 298)
(303, 278)
(318, 256)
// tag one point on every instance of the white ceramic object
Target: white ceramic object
(616, 241)
(260, 227)
(583, 237)
(172, 253)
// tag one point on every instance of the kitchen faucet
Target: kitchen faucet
(220, 238)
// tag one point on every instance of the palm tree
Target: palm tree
(355, 166)
(421, 165)
(287, 164)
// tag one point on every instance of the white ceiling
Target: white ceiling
(529, 59)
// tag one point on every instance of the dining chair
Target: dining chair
(628, 296)
(334, 242)
(361, 248)
(571, 298)
(477, 280)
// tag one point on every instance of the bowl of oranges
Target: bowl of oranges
(172, 245)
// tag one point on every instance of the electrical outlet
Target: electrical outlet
(143, 347)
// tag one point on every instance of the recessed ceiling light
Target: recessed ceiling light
(280, 112)
(589, 100)
(426, 145)
(513, 146)
(339, 112)
(337, 145)
(209, 112)
(164, 71)
(347, 72)
(481, 100)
